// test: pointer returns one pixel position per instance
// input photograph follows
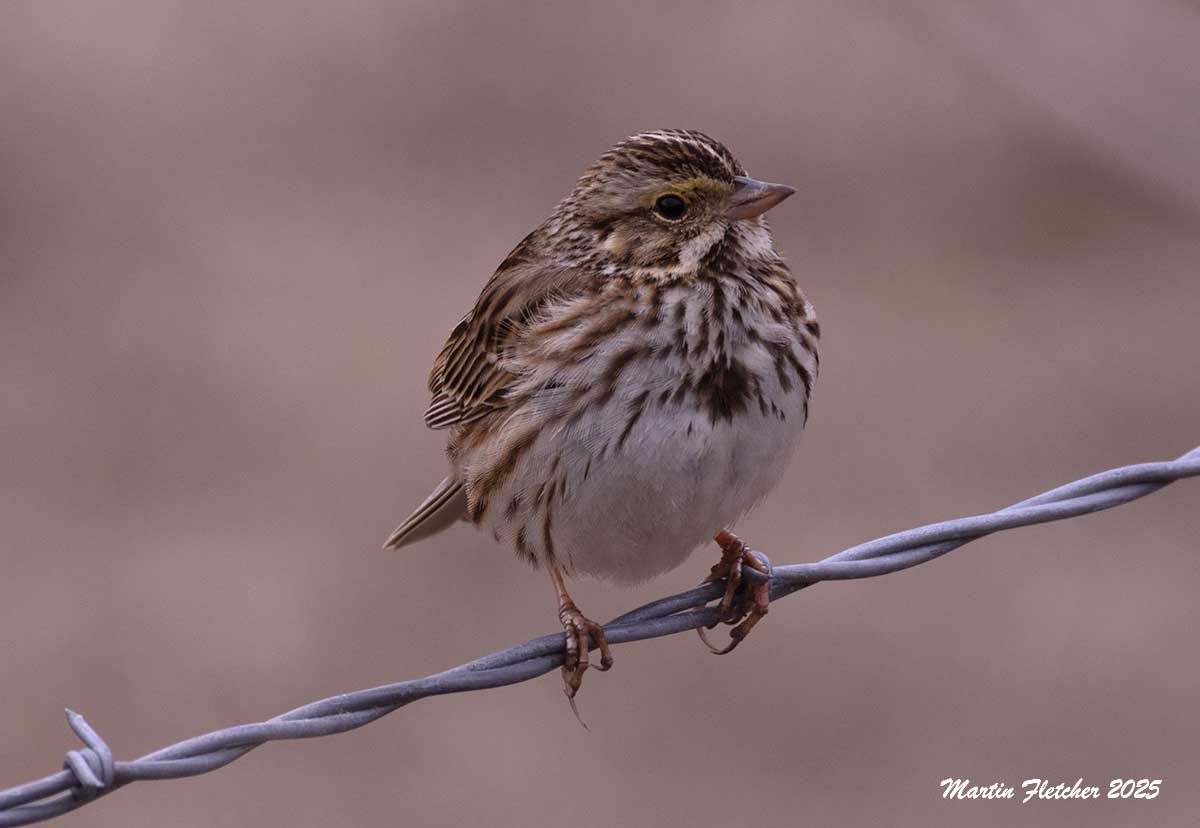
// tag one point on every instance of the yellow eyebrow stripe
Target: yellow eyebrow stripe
(688, 188)
(693, 185)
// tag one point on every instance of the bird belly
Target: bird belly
(678, 480)
(628, 489)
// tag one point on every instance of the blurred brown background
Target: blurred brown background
(233, 236)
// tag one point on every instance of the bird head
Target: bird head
(659, 203)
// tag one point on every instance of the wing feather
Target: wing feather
(469, 380)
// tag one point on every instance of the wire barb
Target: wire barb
(91, 772)
(93, 766)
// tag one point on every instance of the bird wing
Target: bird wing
(469, 380)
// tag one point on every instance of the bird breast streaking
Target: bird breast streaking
(632, 379)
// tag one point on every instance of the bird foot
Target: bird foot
(581, 632)
(741, 608)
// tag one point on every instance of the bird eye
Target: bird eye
(671, 207)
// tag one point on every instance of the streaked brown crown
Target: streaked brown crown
(665, 154)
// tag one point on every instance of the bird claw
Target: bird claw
(581, 632)
(741, 608)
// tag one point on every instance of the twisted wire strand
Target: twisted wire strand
(91, 772)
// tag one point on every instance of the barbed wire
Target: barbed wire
(92, 772)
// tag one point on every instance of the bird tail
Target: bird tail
(444, 506)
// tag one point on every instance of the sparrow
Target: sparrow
(631, 381)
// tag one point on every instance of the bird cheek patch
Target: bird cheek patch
(617, 244)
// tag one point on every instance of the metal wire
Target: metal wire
(91, 772)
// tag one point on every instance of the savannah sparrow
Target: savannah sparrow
(630, 381)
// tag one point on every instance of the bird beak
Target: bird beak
(752, 198)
